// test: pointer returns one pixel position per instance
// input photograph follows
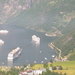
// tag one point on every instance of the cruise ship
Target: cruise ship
(35, 39)
(3, 31)
(1, 42)
(14, 53)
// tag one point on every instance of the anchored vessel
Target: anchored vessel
(1, 42)
(36, 39)
(14, 53)
(3, 31)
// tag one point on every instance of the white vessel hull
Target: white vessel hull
(3, 31)
(1, 42)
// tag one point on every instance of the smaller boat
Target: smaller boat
(42, 61)
(2, 62)
(53, 56)
(45, 58)
(3, 31)
(1, 42)
(40, 51)
(34, 61)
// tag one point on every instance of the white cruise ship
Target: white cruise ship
(1, 42)
(14, 53)
(3, 31)
(36, 39)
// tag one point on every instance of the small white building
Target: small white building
(37, 72)
(32, 72)
(50, 68)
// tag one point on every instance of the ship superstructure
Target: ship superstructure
(36, 39)
(14, 53)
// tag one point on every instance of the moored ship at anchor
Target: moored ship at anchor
(35, 39)
(14, 53)
(3, 31)
(1, 42)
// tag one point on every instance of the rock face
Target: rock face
(10, 8)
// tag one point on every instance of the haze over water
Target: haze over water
(31, 52)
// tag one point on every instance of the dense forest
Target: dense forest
(67, 44)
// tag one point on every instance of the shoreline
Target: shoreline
(45, 33)
(52, 47)
(53, 35)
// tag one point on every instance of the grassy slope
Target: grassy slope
(37, 66)
(68, 67)
(70, 27)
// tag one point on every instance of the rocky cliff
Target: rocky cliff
(11, 8)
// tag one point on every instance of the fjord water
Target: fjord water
(31, 52)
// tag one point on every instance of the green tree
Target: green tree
(51, 61)
(13, 71)
(64, 73)
(24, 65)
(60, 68)
(54, 68)
(51, 65)
(48, 72)
(45, 65)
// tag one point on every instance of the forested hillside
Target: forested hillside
(67, 45)
(49, 16)
(70, 27)
(12, 8)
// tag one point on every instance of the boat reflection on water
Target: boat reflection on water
(1, 42)
(35, 44)
(10, 63)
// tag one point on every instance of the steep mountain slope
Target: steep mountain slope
(12, 8)
(70, 27)
(49, 16)
(66, 44)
